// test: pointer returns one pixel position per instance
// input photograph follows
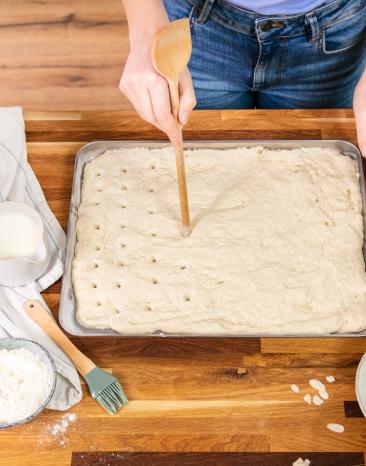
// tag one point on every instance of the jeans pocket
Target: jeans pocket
(345, 33)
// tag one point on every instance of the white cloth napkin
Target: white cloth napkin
(18, 183)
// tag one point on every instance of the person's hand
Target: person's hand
(359, 107)
(142, 85)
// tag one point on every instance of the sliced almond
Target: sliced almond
(317, 400)
(317, 384)
(295, 388)
(336, 428)
(301, 462)
(324, 394)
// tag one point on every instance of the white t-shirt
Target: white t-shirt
(278, 7)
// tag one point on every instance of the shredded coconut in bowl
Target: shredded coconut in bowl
(25, 384)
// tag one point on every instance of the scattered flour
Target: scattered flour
(307, 398)
(336, 428)
(301, 462)
(62, 426)
(57, 432)
(330, 378)
(295, 388)
(25, 384)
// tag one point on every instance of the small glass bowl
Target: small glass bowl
(43, 355)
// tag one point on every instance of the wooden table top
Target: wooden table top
(191, 401)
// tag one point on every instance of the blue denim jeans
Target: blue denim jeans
(244, 60)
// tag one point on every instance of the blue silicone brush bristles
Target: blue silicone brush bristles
(106, 390)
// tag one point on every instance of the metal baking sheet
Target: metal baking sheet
(67, 314)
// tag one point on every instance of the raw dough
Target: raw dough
(276, 246)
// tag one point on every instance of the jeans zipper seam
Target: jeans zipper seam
(258, 59)
(283, 61)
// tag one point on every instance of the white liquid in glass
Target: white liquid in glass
(19, 236)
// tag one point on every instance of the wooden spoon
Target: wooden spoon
(171, 50)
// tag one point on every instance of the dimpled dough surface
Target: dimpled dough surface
(276, 245)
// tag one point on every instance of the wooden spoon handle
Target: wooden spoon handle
(41, 317)
(182, 187)
(179, 159)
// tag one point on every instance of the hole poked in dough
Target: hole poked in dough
(118, 285)
(97, 227)
(96, 265)
(148, 308)
(124, 187)
(94, 285)
(154, 280)
(98, 248)
(153, 166)
(123, 245)
(183, 264)
(187, 298)
(120, 263)
(153, 260)
(124, 170)
(99, 303)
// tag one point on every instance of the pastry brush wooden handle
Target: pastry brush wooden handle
(41, 317)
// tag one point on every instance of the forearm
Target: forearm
(360, 91)
(144, 19)
(140, 83)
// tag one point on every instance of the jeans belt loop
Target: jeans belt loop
(203, 16)
(314, 26)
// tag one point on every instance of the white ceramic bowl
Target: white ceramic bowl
(43, 355)
(361, 384)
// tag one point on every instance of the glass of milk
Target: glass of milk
(23, 244)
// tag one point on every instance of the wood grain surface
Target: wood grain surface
(62, 54)
(194, 401)
(214, 459)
